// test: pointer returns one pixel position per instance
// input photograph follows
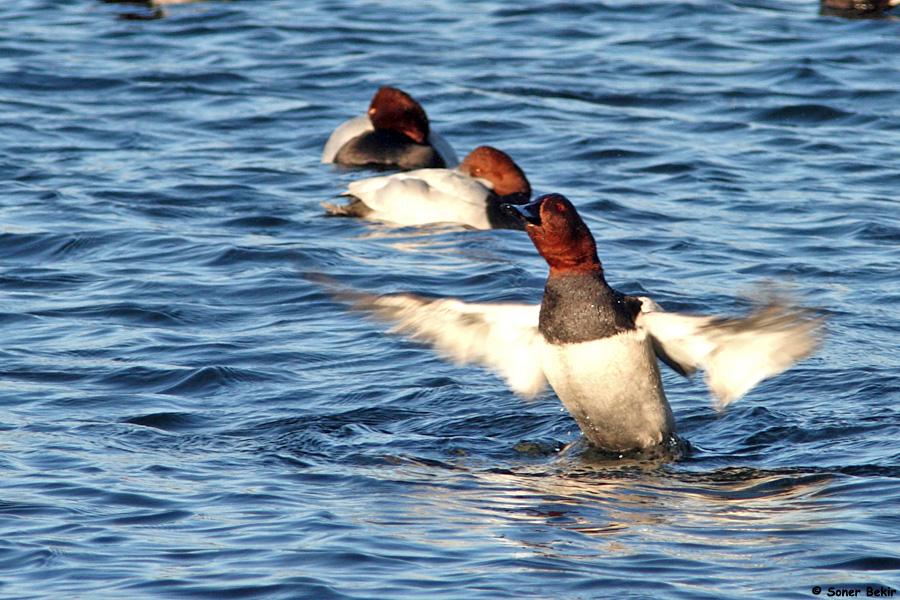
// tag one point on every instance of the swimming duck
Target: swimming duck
(856, 9)
(599, 348)
(393, 134)
(471, 194)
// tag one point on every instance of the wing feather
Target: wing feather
(736, 353)
(502, 337)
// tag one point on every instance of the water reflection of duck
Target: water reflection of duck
(857, 9)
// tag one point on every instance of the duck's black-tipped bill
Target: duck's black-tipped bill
(522, 215)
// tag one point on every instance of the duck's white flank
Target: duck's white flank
(425, 196)
(344, 133)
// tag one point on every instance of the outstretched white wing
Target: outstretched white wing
(736, 353)
(502, 337)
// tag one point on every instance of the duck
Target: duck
(856, 9)
(393, 134)
(470, 195)
(600, 349)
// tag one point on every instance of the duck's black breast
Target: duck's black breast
(582, 308)
(388, 149)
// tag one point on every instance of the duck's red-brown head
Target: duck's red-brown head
(559, 234)
(486, 162)
(395, 110)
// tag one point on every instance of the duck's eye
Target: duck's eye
(560, 207)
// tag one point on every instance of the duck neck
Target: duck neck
(581, 307)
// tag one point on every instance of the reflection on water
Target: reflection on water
(595, 524)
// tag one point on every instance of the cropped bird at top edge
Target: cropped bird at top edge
(857, 9)
(393, 134)
(471, 195)
(595, 346)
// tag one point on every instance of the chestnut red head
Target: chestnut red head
(486, 162)
(559, 234)
(395, 110)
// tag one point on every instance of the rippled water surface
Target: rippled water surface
(185, 415)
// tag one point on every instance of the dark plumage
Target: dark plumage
(857, 9)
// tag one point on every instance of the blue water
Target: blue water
(185, 415)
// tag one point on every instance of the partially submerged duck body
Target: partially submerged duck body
(857, 9)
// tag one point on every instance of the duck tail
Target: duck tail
(355, 208)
